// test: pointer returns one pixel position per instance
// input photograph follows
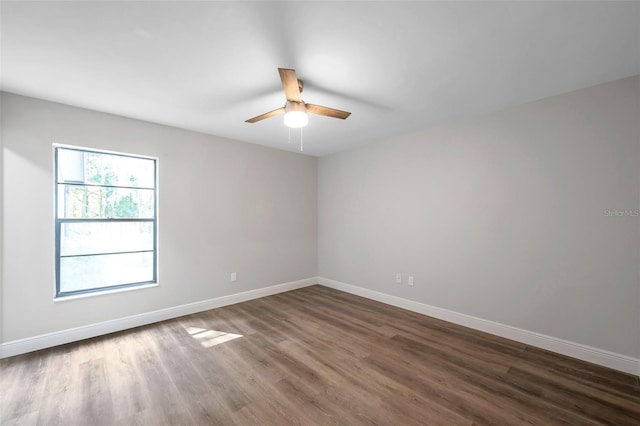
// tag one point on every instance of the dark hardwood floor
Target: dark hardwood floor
(310, 356)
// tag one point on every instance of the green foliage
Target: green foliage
(112, 198)
(126, 207)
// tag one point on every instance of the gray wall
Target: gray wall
(502, 217)
(224, 206)
(1, 220)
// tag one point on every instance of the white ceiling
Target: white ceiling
(397, 66)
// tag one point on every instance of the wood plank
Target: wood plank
(309, 356)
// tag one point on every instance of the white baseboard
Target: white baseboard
(21, 346)
(576, 350)
(602, 357)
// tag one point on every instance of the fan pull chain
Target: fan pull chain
(289, 140)
(301, 141)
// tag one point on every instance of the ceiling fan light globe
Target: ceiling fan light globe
(296, 119)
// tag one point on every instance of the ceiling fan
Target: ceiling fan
(295, 110)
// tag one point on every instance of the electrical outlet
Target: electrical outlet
(410, 282)
(398, 278)
(233, 276)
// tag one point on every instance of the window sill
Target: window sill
(102, 293)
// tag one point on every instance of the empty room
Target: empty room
(319, 213)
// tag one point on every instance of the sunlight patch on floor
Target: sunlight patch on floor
(209, 338)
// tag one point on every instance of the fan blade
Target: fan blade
(329, 112)
(290, 84)
(266, 115)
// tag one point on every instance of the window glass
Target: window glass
(105, 225)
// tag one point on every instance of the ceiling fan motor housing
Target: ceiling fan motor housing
(295, 106)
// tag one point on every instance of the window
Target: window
(105, 220)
